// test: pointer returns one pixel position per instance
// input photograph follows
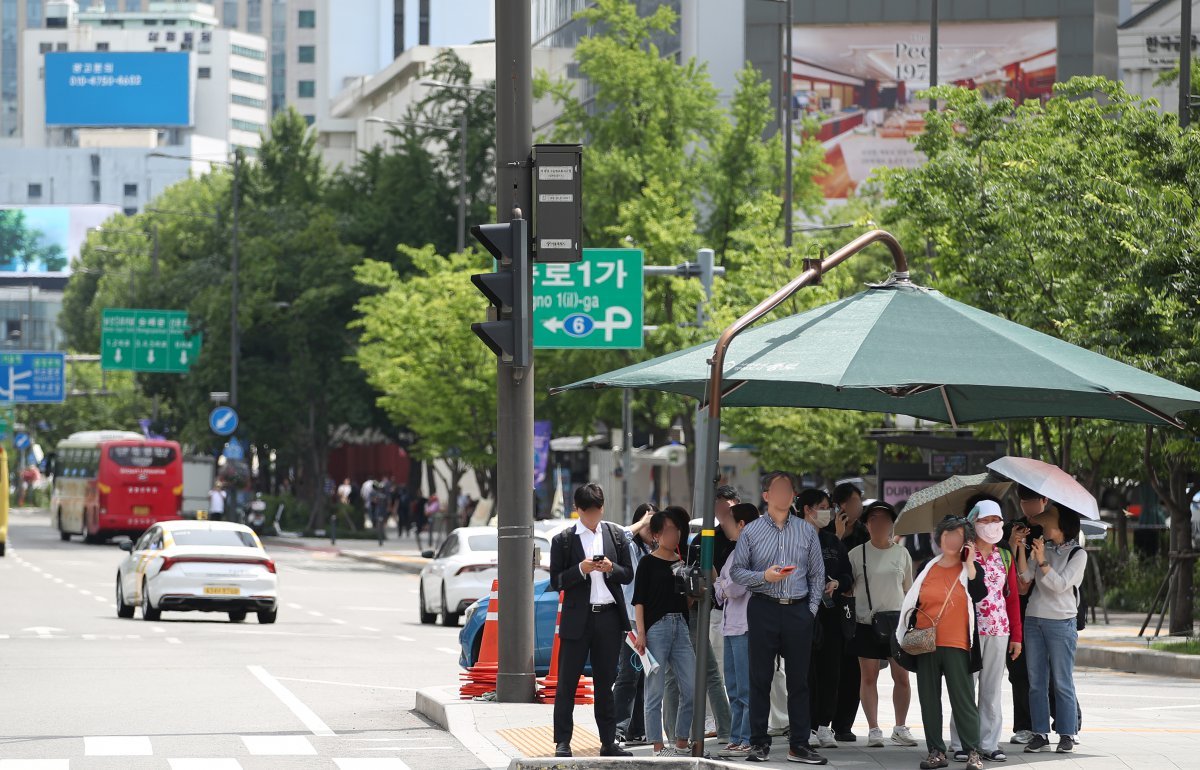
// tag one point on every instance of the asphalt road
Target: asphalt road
(330, 685)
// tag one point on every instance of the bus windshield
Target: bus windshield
(142, 456)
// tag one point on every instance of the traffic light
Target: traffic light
(507, 331)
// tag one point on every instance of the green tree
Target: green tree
(1074, 217)
(1171, 77)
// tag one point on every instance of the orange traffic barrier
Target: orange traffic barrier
(480, 678)
(549, 685)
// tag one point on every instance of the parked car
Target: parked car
(461, 571)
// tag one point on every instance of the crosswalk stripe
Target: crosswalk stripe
(374, 763)
(278, 745)
(204, 764)
(117, 746)
(35, 764)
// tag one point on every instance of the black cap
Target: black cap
(880, 505)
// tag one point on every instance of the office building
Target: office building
(1149, 41)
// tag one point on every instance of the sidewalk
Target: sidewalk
(1117, 646)
(402, 554)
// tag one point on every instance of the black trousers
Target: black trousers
(849, 677)
(786, 631)
(825, 668)
(602, 643)
(628, 694)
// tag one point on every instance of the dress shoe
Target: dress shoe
(614, 750)
(562, 750)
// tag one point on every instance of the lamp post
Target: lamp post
(786, 98)
(461, 128)
(234, 340)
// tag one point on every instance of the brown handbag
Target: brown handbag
(922, 641)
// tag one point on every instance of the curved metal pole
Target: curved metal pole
(702, 499)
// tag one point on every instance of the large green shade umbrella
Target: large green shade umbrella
(905, 349)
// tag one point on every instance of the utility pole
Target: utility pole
(514, 385)
(1185, 63)
(462, 182)
(788, 225)
(933, 50)
(234, 335)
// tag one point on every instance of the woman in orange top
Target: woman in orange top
(944, 597)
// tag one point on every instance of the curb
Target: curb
(443, 707)
(1137, 661)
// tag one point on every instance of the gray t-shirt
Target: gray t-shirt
(890, 573)
(1053, 595)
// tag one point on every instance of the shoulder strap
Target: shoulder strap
(946, 603)
(1006, 558)
(866, 580)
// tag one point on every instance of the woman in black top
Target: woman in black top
(660, 600)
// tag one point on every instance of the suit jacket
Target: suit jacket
(566, 553)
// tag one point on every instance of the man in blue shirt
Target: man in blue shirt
(778, 557)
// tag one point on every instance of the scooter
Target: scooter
(255, 514)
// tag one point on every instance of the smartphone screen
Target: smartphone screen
(964, 553)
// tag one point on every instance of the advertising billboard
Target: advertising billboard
(858, 82)
(118, 89)
(46, 239)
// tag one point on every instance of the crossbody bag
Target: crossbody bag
(921, 641)
(884, 622)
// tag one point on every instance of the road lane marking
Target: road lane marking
(294, 606)
(316, 614)
(1168, 708)
(117, 746)
(449, 650)
(35, 764)
(204, 764)
(278, 745)
(100, 598)
(158, 630)
(373, 763)
(337, 621)
(3, 636)
(400, 638)
(369, 628)
(306, 715)
(173, 640)
(377, 609)
(348, 684)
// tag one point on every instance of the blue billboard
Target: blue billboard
(118, 90)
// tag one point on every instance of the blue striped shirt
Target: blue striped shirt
(762, 544)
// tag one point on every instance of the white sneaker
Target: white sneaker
(824, 736)
(875, 738)
(1022, 737)
(671, 751)
(902, 736)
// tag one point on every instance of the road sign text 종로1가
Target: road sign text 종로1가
(594, 303)
(147, 341)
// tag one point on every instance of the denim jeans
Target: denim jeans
(1050, 650)
(737, 684)
(670, 642)
(714, 685)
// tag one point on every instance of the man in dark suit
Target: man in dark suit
(589, 563)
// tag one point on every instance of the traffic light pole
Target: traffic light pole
(514, 385)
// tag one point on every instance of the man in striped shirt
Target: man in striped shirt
(778, 557)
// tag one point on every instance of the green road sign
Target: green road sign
(594, 303)
(148, 341)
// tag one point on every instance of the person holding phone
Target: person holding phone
(943, 597)
(661, 603)
(778, 557)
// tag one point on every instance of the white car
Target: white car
(462, 570)
(210, 566)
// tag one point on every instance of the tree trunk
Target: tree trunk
(1172, 493)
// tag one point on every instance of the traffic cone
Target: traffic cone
(480, 678)
(549, 685)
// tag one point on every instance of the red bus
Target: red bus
(109, 483)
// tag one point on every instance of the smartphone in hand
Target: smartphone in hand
(787, 570)
(965, 554)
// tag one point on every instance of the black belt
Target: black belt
(799, 600)
(603, 607)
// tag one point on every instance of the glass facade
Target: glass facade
(279, 19)
(229, 14)
(9, 35)
(254, 23)
(29, 318)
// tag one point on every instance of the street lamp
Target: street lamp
(234, 341)
(462, 164)
(786, 96)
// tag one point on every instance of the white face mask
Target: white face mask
(990, 531)
(823, 517)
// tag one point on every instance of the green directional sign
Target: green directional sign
(593, 303)
(148, 341)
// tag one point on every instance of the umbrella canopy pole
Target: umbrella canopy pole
(706, 483)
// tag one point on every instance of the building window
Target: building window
(246, 125)
(35, 191)
(308, 20)
(254, 17)
(101, 46)
(306, 54)
(60, 46)
(204, 73)
(249, 101)
(170, 37)
(248, 77)
(229, 16)
(130, 190)
(249, 53)
(310, 119)
(95, 165)
(95, 191)
(307, 89)
(133, 6)
(45, 47)
(131, 211)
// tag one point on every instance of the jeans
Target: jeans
(955, 665)
(713, 685)
(1050, 648)
(670, 642)
(626, 694)
(737, 685)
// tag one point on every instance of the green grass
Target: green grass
(1189, 646)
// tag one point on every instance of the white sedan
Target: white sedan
(462, 570)
(210, 566)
